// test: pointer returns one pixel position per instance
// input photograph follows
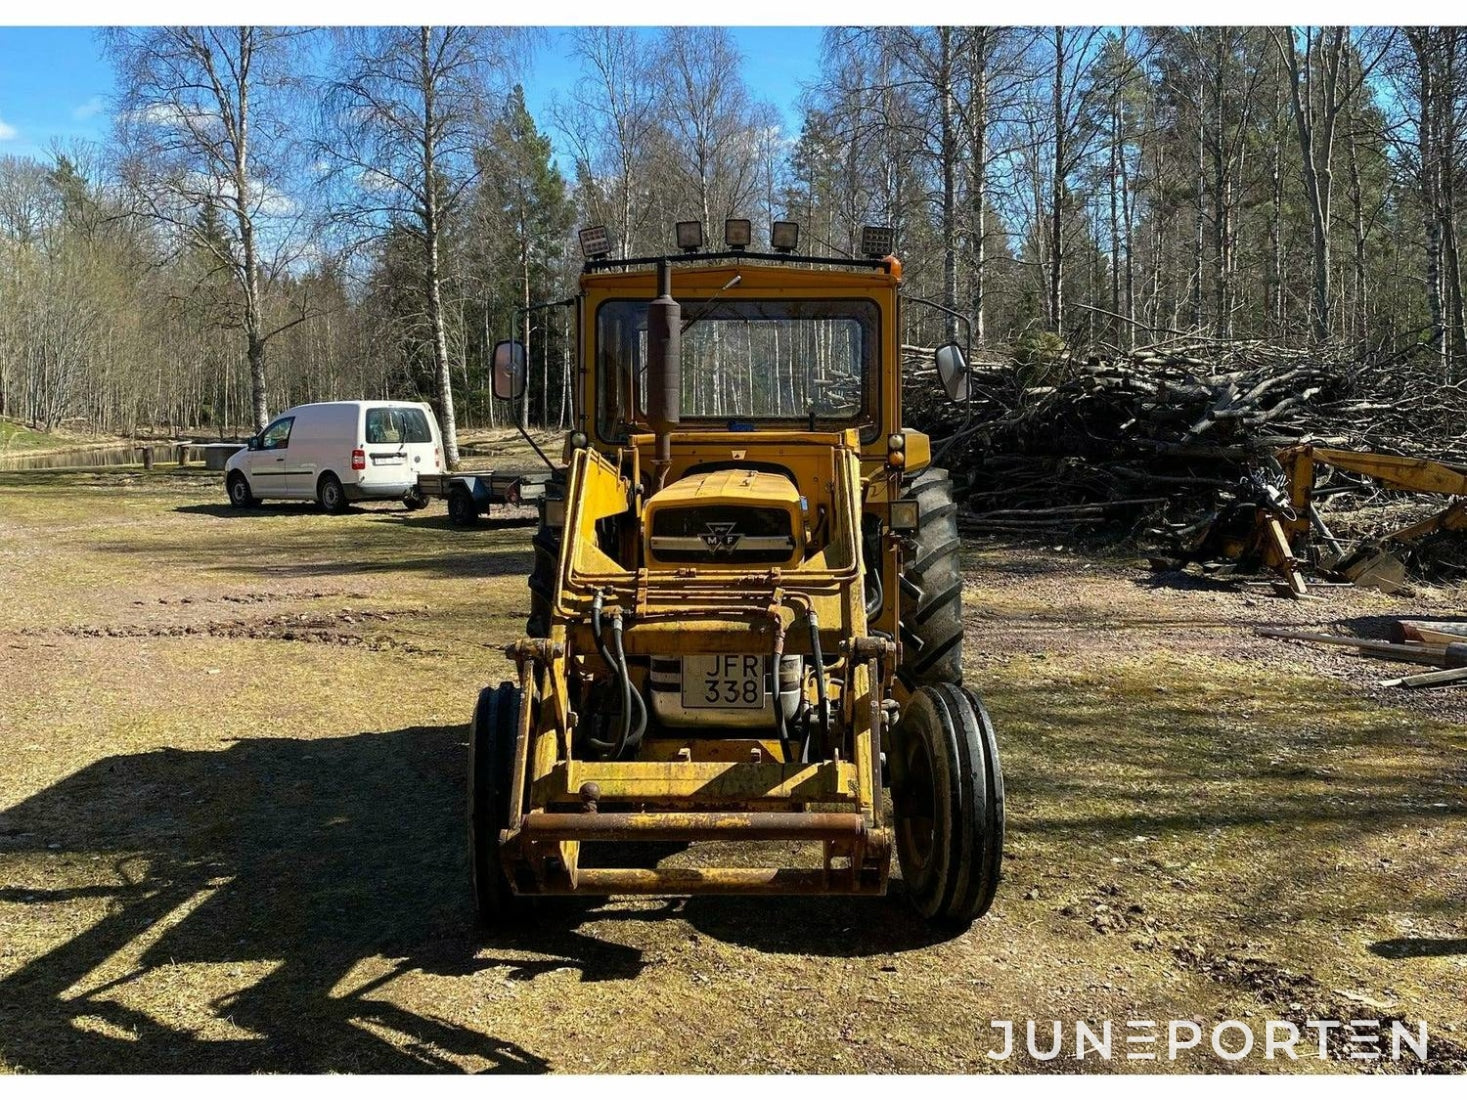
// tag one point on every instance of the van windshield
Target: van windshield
(395, 425)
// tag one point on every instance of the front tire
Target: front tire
(238, 488)
(947, 797)
(491, 766)
(330, 495)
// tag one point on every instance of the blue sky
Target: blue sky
(54, 84)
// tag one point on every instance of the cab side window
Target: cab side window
(277, 436)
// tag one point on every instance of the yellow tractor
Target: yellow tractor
(745, 606)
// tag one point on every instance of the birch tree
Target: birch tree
(404, 114)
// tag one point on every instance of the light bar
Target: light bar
(690, 236)
(877, 241)
(784, 236)
(595, 242)
(737, 233)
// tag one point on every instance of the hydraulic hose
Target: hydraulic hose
(630, 696)
(820, 695)
(617, 662)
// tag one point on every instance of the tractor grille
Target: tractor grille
(722, 533)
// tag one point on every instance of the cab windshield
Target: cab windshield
(747, 363)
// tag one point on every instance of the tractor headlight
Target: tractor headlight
(905, 516)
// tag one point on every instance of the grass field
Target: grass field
(231, 821)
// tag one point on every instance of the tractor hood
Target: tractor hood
(726, 517)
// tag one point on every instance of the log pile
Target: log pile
(1130, 440)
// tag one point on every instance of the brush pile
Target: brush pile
(1166, 432)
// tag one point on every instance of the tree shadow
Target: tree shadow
(438, 521)
(265, 509)
(310, 861)
(1422, 948)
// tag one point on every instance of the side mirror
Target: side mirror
(952, 369)
(509, 370)
(252, 443)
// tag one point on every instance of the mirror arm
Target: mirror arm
(525, 389)
(943, 447)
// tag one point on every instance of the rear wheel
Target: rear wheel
(947, 798)
(239, 491)
(330, 495)
(461, 507)
(491, 766)
(542, 581)
(932, 586)
(414, 500)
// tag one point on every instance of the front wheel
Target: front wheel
(947, 797)
(239, 491)
(491, 802)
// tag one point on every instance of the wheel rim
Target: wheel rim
(918, 815)
(237, 490)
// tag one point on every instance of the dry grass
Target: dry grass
(231, 838)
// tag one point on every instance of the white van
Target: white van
(339, 451)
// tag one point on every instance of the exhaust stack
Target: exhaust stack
(664, 367)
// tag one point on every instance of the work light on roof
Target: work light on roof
(595, 242)
(784, 236)
(737, 233)
(877, 240)
(690, 236)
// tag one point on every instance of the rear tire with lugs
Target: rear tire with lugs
(932, 586)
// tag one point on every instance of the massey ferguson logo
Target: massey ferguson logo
(720, 537)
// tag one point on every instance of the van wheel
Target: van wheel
(415, 501)
(330, 495)
(239, 492)
(461, 507)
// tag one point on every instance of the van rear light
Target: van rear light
(359, 460)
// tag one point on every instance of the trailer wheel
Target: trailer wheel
(239, 491)
(461, 507)
(947, 797)
(932, 587)
(491, 763)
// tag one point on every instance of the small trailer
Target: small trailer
(470, 492)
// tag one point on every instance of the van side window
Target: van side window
(389, 425)
(277, 436)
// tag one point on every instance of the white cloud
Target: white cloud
(89, 109)
(7, 131)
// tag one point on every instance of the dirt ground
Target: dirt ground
(231, 821)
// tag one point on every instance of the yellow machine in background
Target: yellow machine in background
(1273, 528)
(746, 597)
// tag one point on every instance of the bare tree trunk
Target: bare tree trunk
(431, 270)
(1057, 191)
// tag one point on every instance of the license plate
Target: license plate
(387, 460)
(726, 682)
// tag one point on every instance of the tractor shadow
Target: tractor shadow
(242, 910)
